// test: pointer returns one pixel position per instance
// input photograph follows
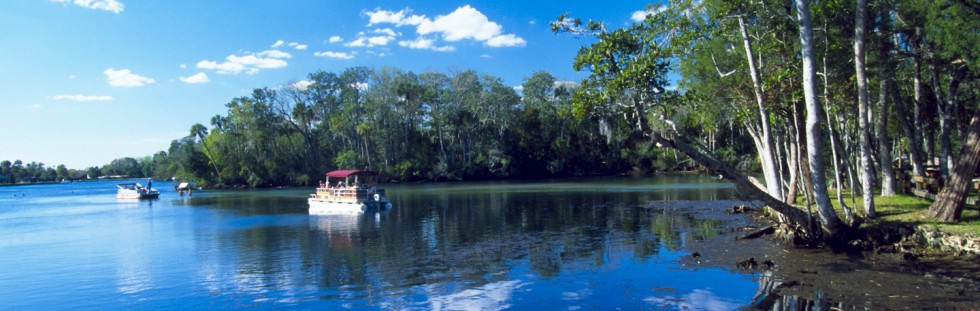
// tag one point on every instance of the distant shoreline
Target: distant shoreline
(58, 182)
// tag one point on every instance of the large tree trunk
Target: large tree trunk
(793, 161)
(835, 150)
(949, 205)
(798, 120)
(884, 143)
(773, 180)
(945, 128)
(911, 134)
(887, 79)
(829, 221)
(834, 147)
(864, 133)
(924, 145)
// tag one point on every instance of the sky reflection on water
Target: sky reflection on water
(580, 244)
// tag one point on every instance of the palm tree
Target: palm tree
(200, 131)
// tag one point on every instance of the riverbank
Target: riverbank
(904, 261)
(902, 226)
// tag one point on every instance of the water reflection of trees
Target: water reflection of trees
(474, 238)
(449, 241)
(768, 297)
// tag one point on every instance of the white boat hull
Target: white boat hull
(134, 195)
(322, 206)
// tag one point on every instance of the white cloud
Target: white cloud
(278, 43)
(425, 44)
(370, 41)
(508, 40)
(249, 63)
(275, 54)
(492, 296)
(379, 54)
(386, 31)
(469, 23)
(113, 6)
(125, 78)
(400, 18)
(298, 46)
(639, 16)
(698, 299)
(200, 77)
(335, 39)
(465, 23)
(34, 106)
(301, 85)
(332, 54)
(183, 66)
(82, 98)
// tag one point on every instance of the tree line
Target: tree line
(410, 127)
(18, 172)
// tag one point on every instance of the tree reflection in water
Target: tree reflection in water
(768, 298)
(444, 244)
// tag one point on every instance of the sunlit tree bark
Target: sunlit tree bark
(864, 131)
(948, 207)
(828, 217)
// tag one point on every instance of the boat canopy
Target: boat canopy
(348, 173)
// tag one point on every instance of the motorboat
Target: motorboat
(136, 191)
(348, 191)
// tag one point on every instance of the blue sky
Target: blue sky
(88, 81)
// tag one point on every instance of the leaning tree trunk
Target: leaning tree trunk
(949, 205)
(829, 221)
(797, 217)
(867, 179)
(773, 179)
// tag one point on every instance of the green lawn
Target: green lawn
(910, 209)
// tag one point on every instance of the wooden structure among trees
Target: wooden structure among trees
(928, 187)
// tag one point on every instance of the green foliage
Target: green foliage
(408, 126)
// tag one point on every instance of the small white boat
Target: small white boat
(135, 191)
(355, 191)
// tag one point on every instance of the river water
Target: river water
(560, 245)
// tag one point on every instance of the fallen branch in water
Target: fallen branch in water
(758, 233)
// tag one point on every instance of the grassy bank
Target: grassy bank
(907, 209)
(911, 210)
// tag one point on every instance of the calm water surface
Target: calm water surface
(563, 245)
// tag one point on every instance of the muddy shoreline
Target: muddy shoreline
(909, 274)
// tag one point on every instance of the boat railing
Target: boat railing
(349, 193)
